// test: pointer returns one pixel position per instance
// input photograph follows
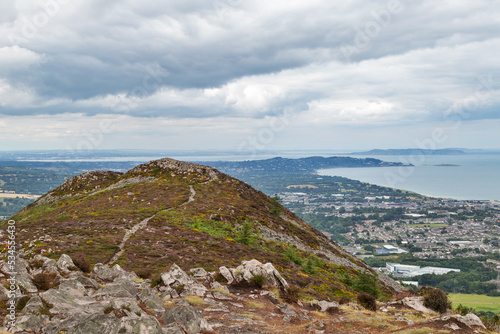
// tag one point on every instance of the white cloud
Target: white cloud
(246, 62)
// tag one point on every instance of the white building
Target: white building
(402, 270)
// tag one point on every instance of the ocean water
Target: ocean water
(470, 176)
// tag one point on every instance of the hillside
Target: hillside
(300, 165)
(413, 151)
(167, 211)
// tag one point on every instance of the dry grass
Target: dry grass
(425, 330)
(256, 305)
(195, 300)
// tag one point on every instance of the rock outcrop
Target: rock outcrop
(245, 299)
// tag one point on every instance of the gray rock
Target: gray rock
(29, 323)
(67, 303)
(270, 296)
(176, 277)
(220, 295)
(196, 289)
(186, 316)
(65, 263)
(79, 324)
(151, 300)
(73, 286)
(4, 293)
(249, 269)
(123, 288)
(470, 320)
(25, 282)
(226, 274)
(172, 329)
(325, 306)
(142, 325)
(198, 272)
(33, 306)
(286, 309)
(87, 282)
(220, 287)
(105, 273)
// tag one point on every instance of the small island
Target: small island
(447, 165)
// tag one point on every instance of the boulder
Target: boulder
(286, 309)
(122, 288)
(4, 293)
(65, 302)
(73, 285)
(172, 329)
(33, 306)
(176, 277)
(325, 306)
(194, 289)
(249, 269)
(470, 320)
(29, 323)
(143, 325)
(87, 282)
(220, 287)
(104, 272)
(25, 282)
(186, 316)
(151, 300)
(416, 303)
(65, 264)
(226, 273)
(81, 324)
(198, 272)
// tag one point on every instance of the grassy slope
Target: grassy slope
(81, 219)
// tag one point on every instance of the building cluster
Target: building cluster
(403, 270)
(428, 227)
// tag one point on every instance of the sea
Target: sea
(472, 176)
(461, 177)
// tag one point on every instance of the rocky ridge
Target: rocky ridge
(57, 297)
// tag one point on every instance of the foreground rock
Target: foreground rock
(251, 298)
(108, 300)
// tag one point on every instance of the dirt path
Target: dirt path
(142, 225)
(191, 197)
(127, 236)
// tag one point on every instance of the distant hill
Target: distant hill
(412, 151)
(167, 211)
(310, 164)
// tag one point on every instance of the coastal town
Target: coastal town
(424, 226)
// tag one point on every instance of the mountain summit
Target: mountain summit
(168, 211)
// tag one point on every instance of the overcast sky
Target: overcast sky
(249, 75)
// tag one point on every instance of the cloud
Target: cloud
(347, 63)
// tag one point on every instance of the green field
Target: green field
(478, 302)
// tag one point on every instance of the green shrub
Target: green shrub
(291, 254)
(156, 281)
(219, 278)
(145, 273)
(21, 302)
(276, 207)
(259, 280)
(344, 300)
(367, 301)
(246, 235)
(82, 264)
(46, 281)
(367, 283)
(435, 299)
